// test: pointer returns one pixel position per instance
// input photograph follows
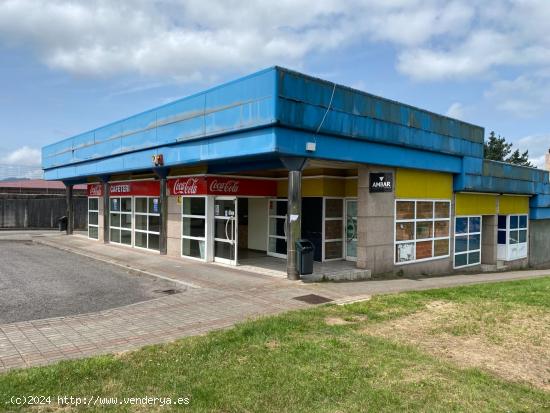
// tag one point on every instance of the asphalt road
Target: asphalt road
(37, 281)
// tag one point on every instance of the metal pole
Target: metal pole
(106, 212)
(70, 214)
(163, 246)
(294, 222)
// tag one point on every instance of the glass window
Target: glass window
(193, 230)
(441, 229)
(424, 210)
(334, 208)
(467, 241)
(442, 209)
(120, 220)
(461, 225)
(422, 230)
(441, 247)
(141, 204)
(147, 222)
(404, 231)
(93, 218)
(193, 206)
(404, 210)
(512, 237)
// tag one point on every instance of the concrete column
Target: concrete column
(70, 213)
(294, 222)
(295, 165)
(375, 221)
(163, 201)
(489, 233)
(106, 209)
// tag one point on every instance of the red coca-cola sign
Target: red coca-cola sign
(192, 185)
(94, 190)
(219, 185)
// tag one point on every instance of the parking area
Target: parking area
(38, 281)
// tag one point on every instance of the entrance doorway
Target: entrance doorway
(225, 230)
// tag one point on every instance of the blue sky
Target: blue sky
(69, 66)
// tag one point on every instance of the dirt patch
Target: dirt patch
(336, 321)
(512, 342)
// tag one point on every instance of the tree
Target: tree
(497, 149)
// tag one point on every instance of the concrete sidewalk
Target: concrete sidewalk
(216, 297)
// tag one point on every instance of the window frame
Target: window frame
(206, 228)
(507, 231)
(120, 228)
(467, 234)
(146, 214)
(414, 220)
(93, 211)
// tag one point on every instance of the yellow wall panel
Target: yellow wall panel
(513, 204)
(351, 187)
(412, 183)
(475, 204)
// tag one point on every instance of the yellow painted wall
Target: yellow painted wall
(475, 204)
(513, 204)
(322, 186)
(412, 183)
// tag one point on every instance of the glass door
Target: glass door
(351, 229)
(225, 230)
(276, 229)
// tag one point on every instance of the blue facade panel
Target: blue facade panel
(243, 104)
(275, 112)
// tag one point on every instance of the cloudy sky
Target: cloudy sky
(69, 66)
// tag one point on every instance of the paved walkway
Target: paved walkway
(216, 297)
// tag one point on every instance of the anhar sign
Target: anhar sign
(220, 185)
(380, 182)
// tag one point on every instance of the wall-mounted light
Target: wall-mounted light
(311, 146)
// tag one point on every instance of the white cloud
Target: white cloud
(195, 39)
(25, 156)
(537, 145)
(525, 96)
(456, 110)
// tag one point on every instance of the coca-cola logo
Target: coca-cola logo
(187, 186)
(227, 187)
(94, 190)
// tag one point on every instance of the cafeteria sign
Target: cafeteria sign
(380, 182)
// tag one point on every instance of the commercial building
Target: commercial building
(247, 168)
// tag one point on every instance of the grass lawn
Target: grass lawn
(469, 349)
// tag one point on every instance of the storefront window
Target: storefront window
(193, 232)
(120, 220)
(467, 241)
(147, 227)
(421, 230)
(512, 237)
(93, 218)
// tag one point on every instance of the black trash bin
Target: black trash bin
(62, 223)
(304, 256)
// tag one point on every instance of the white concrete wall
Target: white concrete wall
(257, 223)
